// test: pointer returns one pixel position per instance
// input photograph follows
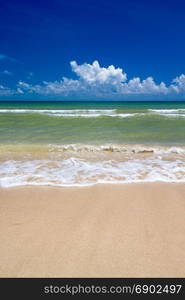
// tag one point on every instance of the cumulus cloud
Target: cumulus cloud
(94, 81)
(96, 74)
(147, 86)
(97, 81)
(178, 84)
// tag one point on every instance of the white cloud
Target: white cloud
(19, 91)
(96, 74)
(178, 84)
(94, 81)
(147, 86)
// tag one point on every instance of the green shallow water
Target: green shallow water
(38, 128)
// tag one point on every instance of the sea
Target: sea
(81, 143)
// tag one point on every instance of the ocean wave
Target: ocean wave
(117, 148)
(94, 113)
(85, 113)
(80, 172)
(92, 148)
(169, 112)
(180, 110)
(88, 113)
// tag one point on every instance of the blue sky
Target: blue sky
(105, 49)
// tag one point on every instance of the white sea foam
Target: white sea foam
(117, 148)
(85, 113)
(80, 172)
(56, 111)
(181, 110)
(169, 112)
(94, 113)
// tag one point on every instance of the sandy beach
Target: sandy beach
(129, 230)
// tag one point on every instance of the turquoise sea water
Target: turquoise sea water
(82, 143)
(93, 122)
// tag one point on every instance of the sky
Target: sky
(92, 49)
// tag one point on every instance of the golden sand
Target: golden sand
(129, 230)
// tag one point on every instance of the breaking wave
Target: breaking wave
(94, 113)
(80, 168)
(86, 113)
(169, 112)
(117, 148)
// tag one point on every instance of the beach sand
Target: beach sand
(128, 230)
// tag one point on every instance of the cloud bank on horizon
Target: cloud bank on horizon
(94, 81)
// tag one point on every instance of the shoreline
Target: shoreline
(87, 165)
(110, 230)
